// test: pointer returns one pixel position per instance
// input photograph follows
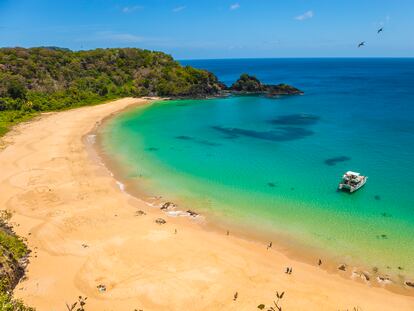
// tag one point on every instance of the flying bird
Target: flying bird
(361, 44)
(380, 30)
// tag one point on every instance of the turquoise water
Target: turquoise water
(273, 165)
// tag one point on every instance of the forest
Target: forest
(51, 79)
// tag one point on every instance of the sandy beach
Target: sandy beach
(84, 232)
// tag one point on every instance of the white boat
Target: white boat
(352, 181)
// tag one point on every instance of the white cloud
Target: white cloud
(234, 6)
(130, 9)
(179, 9)
(118, 37)
(306, 15)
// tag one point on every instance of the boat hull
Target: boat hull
(352, 189)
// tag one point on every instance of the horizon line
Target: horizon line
(300, 57)
(220, 58)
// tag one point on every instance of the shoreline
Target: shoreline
(74, 216)
(285, 243)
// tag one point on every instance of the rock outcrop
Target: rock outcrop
(247, 84)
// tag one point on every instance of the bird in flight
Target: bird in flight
(361, 44)
(380, 30)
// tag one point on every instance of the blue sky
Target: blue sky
(215, 28)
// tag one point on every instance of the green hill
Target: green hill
(49, 78)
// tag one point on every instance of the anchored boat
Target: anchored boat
(352, 181)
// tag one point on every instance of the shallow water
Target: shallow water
(273, 165)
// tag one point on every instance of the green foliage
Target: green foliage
(247, 83)
(11, 117)
(12, 244)
(7, 303)
(49, 79)
(12, 250)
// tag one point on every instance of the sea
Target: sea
(271, 166)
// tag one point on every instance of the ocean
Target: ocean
(272, 166)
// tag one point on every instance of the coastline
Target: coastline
(74, 216)
(286, 244)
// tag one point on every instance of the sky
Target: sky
(201, 29)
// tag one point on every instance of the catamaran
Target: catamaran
(352, 181)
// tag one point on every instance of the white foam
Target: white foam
(176, 213)
(91, 139)
(121, 186)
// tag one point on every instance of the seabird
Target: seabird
(361, 44)
(380, 30)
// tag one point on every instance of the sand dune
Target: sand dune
(85, 232)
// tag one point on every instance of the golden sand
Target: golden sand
(84, 231)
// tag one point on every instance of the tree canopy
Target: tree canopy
(46, 78)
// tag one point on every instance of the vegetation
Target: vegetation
(250, 84)
(48, 79)
(276, 303)
(13, 252)
(7, 303)
(247, 83)
(78, 305)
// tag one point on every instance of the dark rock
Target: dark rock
(160, 221)
(342, 267)
(409, 283)
(192, 214)
(140, 213)
(247, 84)
(168, 205)
(365, 276)
(382, 279)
